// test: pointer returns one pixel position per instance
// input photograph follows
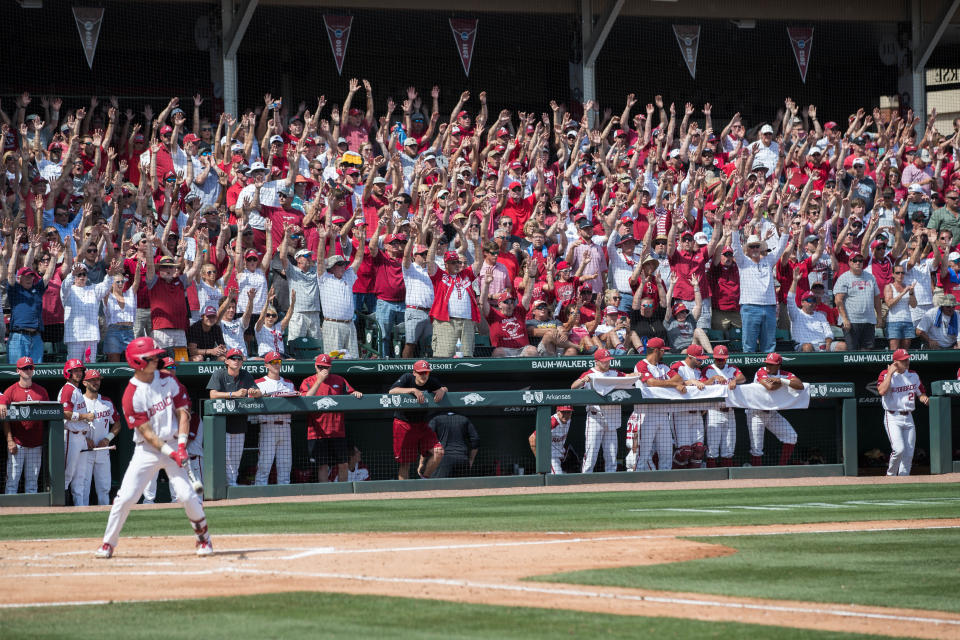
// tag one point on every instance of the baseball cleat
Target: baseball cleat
(105, 551)
(205, 547)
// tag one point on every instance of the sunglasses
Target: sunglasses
(508, 301)
(493, 253)
(647, 306)
(857, 261)
(253, 259)
(275, 362)
(235, 358)
(28, 368)
(270, 315)
(615, 298)
(898, 273)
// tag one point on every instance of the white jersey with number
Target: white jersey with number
(276, 388)
(155, 402)
(904, 389)
(558, 432)
(104, 415)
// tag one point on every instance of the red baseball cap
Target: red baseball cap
(233, 352)
(91, 374)
(251, 253)
(602, 355)
(24, 362)
(696, 351)
(899, 354)
(562, 265)
(677, 308)
(506, 294)
(323, 360)
(451, 256)
(773, 358)
(720, 352)
(564, 407)
(272, 355)
(421, 366)
(656, 343)
(187, 139)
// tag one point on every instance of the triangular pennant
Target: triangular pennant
(465, 35)
(88, 21)
(338, 32)
(801, 41)
(688, 37)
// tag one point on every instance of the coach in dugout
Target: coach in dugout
(411, 434)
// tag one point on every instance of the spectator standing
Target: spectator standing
(758, 301)
(336, 279)
(25, 293)
(899, 298)
(857, 297)
(460, 442)
(391, 292)
(105, 426)
(120, 311)
(411, 435)
(169, 313)
(947, 217)
(419, 297)
(899, 389)
(81, 308)
(24, 438)
(233, 327)
(231, 382)
(275, 444)
(455, 311)
(326, 435)
(303, 280)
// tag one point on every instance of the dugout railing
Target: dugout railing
(50, 489)
(945, 394)
(839, 396)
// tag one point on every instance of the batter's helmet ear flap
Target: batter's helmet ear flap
(139, 349)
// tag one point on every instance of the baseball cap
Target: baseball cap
(720, 352)
(504, 295)
(285, 190)
(701, 238)
(766, 129)
(954, 256)
(915, 188)
(24, 362)
(656, 343)
(811, 238)
(272, 355)
(563, 265)
(696, 351)
(773, 358)
(251, 253)
(304, 253)
(679, 307)
(167, 261)
(564, 407)
(232, 353)
(627, 237)
(187, 139)
(948, 300)
(610, 310)
(91, 374)
(276, 138)
(583, 223)
(514, 185)
(323, 360)
(257, 166)
(602, 355)
(901, 354)
(877, 243)
(859, 162)
(451, 256)
(421, 366)
(333, 261)
(209, 310)
(164, 130)
(23, 271)
(830, 125)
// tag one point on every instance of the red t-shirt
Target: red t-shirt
(169, 309)
(26, 433)
(508, 331)
(725, 282)
(388, 277)
(328, 424)
(686, 264)
(519, 211)
(566, 291)
(277, 216)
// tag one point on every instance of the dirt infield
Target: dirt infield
(482, 568)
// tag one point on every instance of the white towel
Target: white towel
(756, 396)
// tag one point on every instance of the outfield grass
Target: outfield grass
(915, 569)
(545, 512)
(307, 615)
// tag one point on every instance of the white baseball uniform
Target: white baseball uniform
(155, 402)
(74, 442)
(687, 422)
(771, 420)
(195, 451)
(721, 422)
(275, 434)
(602, 423)
(558, 436)
(898, 405)
(654, 422)
(96, 464)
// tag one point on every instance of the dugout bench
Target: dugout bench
(839, 394)
(944, 394)
(52, 414)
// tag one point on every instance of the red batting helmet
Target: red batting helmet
(72, 364)
(139, 349)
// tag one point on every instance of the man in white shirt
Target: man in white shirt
(809, 329)
(303, 281)
(336, 297)
(274, 427)
(419, 298)
(765, 151)
(758, 301)
(623, 260)
(938, 328)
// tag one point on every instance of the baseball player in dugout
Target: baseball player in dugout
(228, 384)
(157, 408)
(326, 431)
(772, 377)
(411, 433)
(721, 423)
(654, 426)
(559, 426)
(603, 420)
(76, 436)
(95, 463)
(899, 389)
(24, 438)
(688, 422)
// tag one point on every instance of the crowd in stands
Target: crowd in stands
(472, 233)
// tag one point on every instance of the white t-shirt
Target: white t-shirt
(419, 286)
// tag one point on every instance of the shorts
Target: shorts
(328, 451)
(410, 439)
(169, 338)
(417, 326)
(511, 352)
(117, 339)
(901, 330)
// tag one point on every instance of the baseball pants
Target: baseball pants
(96, 469)
(82, 351)
(143, 466)
(656, 434)
(631, 461)
(601, 432)
(274, 444)
(556, 457)
(196, 465)
(721, 433)
(25, 461)
(772, 421)
(903, 439)
(234, 453)
(74, 444)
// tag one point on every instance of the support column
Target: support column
(592, 37)
(918, 86)
(233, 24)
(543, 439)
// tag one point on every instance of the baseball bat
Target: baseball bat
(197, 485)
(107, 448)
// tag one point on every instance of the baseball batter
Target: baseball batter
(24, 437)
(559, 427)
(275, 428)
(899, 389)
(688, 422)
(721, 423)
(95, 465)
(772, 377)
(157, 407)
(603, 420)
(655, 426)
(76, 429)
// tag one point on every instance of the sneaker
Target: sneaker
(205, 547)
(105, 551)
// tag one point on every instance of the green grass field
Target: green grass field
(305, 615)
(906, 568)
